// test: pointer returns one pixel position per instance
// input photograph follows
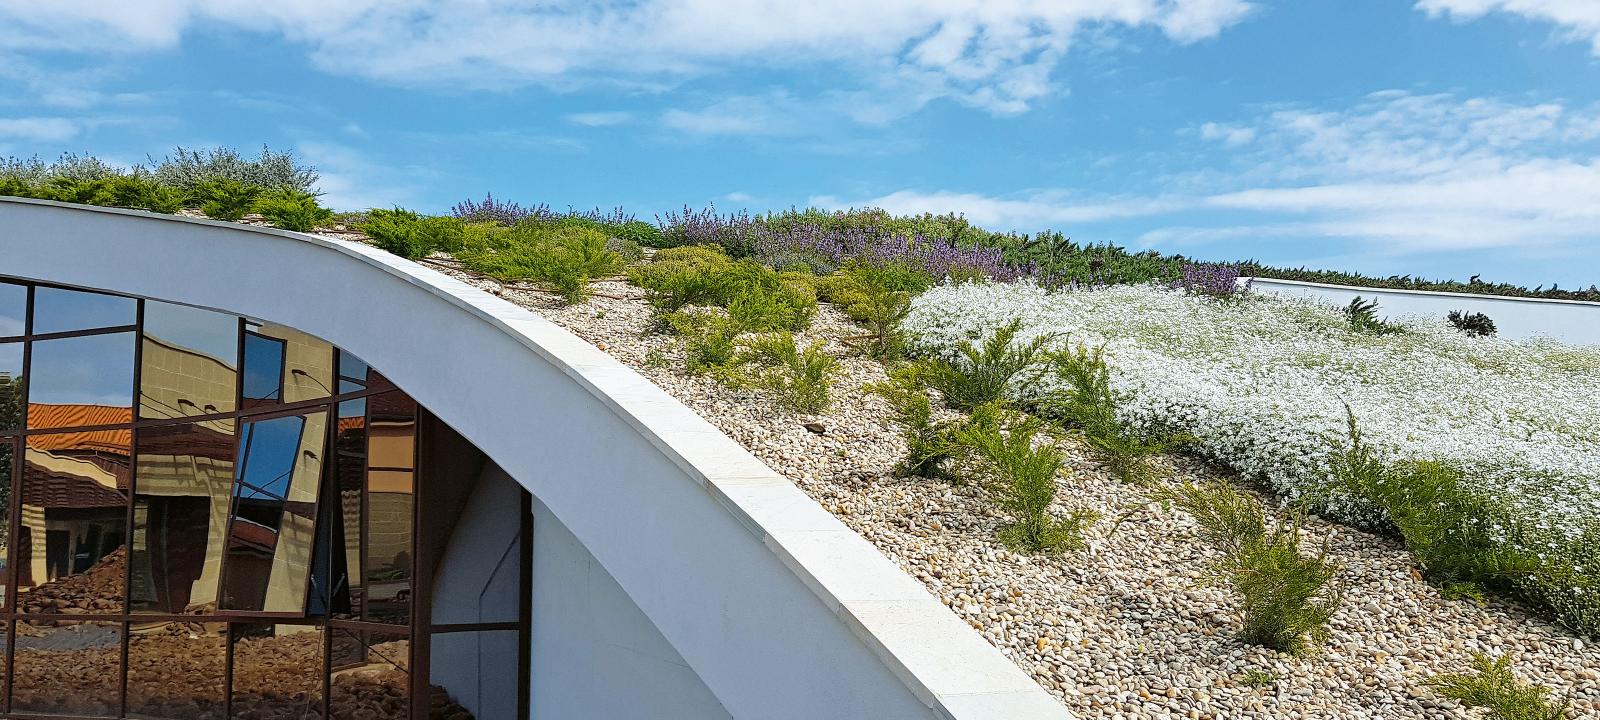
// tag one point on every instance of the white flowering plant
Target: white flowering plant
(1261, 383)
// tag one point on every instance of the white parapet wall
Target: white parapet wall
(1569, 321)
(774, 605)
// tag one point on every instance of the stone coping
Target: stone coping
(1408, 291)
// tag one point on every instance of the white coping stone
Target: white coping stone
(939, 658)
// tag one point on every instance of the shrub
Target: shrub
(1216, 280)
(411, 235)
(758, 298)
(139, 191)
(801, 379)
(186, 170)
(1085, 400)
(878, 296)
(292, 210)
(929, 443)
(496, 211)
(560, 259)
(982, 374)
(683, 276)
(1491, 685)
(628, 250)
(1474, 324)
(639, 232)
(1362, 316)
(1019, 471)
(735, 233)
(710, 340)
(1285, 597)
(225, 198)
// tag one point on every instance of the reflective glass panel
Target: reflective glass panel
(189, 362)
(177, 671)
(369, 675)
(8, 457)
(272, 530)
(57, 310)
(67, 668)
(307, 363)
(391, 458)
(81, 381)
(183, 488)
(13, 309)
(346, 587)
(278, 671)
(352, 372)
(475, 673)
(263, 370)
(11, 395)
(70, 556)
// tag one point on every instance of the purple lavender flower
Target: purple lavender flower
(492, 210)
(1216, 280)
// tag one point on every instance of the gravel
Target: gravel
(1129, 628)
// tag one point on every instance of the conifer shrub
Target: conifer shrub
(710, 340)
(1474, 324)
(929, 442)
(560, 259)
(222, 198)
(1018, 469)
(412, 235)
(982, 374)
(291, 209)
(1084, 400)
(757, 297)
(1491, 685)
(1362, 316)
(800, 378)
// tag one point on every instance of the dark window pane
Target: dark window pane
(183, 482)
(67, 668)
(476, 673)
(278, 671)
(58, 310)
(346, 586)
(263, 370)
(272, 529)
(177, 672)
(188, 365)
(8, 458)
(307, 363)
(370, 675)
(13, 309)
(70, 556)
(391, 455)
(11, 395)
(352, 372)
(81, 381)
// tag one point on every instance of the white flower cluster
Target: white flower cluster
(1262, 383)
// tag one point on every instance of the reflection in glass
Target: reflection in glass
(477, 673)
(176, 671)
(188, 362)
(277, 671)
(272, 525)
(13, 310)
(8, 455)
(11, 395)
(57, 310)
(263, 370)
(344, 589)
(352, 372)
(81, 381)
(369, 675)
(183, 488)
(70, 556)
(391, 460)
(307, 363)
(67, 668)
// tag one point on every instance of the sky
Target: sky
(1436, 138)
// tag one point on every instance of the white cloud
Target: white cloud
(994, 54)
(1229, 135)
(600, 119)
(39, 129)
(1578, 19)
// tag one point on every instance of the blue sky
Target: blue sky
(1425, 137)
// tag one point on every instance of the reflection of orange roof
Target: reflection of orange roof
(63, 416)
(352, 423)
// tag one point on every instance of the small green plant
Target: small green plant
(878, 296)
(1474, 324)
(759, 298)
(929, 443)
(1491, 685)
(1362, 315)
(1258, 678)
(639, 232)
(1019, 470)
(224, 198)
(141, 191)
(1088, 404)
(1285, 597)
(560, 259)
(628, 250)
(800, 378)
(710, 339)
(291, 209)
(411, 235)
(983, 374)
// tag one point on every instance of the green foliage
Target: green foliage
(878, 296)
(411, 235)
(800, 379)
(1474, 324)
(1491, 685)
(292, 210)
(682, 276)
(139, 191)
(639, 232)
(225, 198)
(1363, 318)
(1090, 406)
(628, 250)
(710, 340)
(929, 443)
(983, 374)
(1019, 470)
(187, 170)
(1258, 678)
(1285, 596)
(561, 259)
(758, 298)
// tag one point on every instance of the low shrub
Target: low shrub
(498, 211)
(801, 379)
(140, 191)
(1491, 685)
(187, 170)
(682, 276)
(758, 298)
(1083, 398)
(1285, 597)
(411, 235)
(562, 260)
(224, 198)
(981, 375)
(1018, 469)
(878, 296)
(290, 209)
(929, 442)
(640, 233)
(1474, 324)
(1362, 316)
(628, 250)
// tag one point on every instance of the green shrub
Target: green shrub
(225, 198)
(1285, 597)
(983, 374)
(1088, 404)
(710, 340)
(1474, 324)
(878, 296)
(801, 379)
(639, 232)
(1019, 471)
(682, 276)
(1362, 315)
(186, 170)
(17, 187)
(560, 259)
(411, 235)
(140, 191)
(1492, 686)
(758, 298)
(628, 250)
(929, 443)
(292, 210)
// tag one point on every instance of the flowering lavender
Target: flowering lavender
(825, 249)
(616, 216)
(1212, 279)
(736, 232)
(492, 210)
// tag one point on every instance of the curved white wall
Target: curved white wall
(1569, 321)
(777, 607)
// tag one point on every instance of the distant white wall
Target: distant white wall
(479, 579)
(1569, 321)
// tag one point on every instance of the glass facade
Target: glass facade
(207, 516)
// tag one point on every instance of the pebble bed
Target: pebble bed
(1129, 628)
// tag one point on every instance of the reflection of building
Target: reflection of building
(74, 494)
